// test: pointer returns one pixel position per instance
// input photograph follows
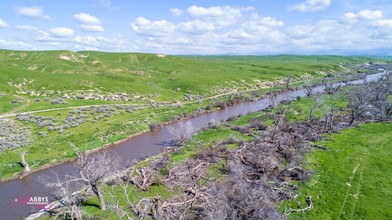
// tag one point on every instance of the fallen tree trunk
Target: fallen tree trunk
(26, 167)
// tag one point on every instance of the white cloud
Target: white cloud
(364, 14)
(3, 24)
(217, 11)
(89, 23)
(327, 35)
(146, 27)
(384, 23)
(32, 12)
(41, 36)
(220, 16)
(80, 42)
(26, 27)
(91, 28)
(300, 31)
(212, 30)
(370, 15)
(350, 17)
(257, 30)
(311, 5)
(197, 11)
(85, 18)
(61, 32)
(141, 21)
(176, 11)
(196, 27)
(268, 21)
(86, 40)
(183, 40)
(14, 45)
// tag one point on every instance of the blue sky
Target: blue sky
(199, 27)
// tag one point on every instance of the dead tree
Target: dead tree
(69, 200)
(309, 207)
(379, 93)
(358, 102)
(181, 132)
(312, 108)
(187, 176)
(288, 80)
(329, 112)
(93, 171)
(141, 177)
(308, 87)
(273, 101)
(114, 206)
(23, 162)
(279, 117)
(146, 207)
(330, 87)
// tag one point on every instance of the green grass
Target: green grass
(351, 179)
(300, 110)
(148, 73)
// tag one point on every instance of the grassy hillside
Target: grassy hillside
(59, 72)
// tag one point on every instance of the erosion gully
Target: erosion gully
(148, 144)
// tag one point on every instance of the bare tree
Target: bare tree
(308, 86)
(186, 176)
(69, 200)
(308, 207)
(141, 177)
(93, 171)
(379, 93)
(288, 80)
(279, 117)
(358, 102)
(329, 112)
(330, 87)
(181, 132)
(114, 206)
(273, 100)
(312, 107)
